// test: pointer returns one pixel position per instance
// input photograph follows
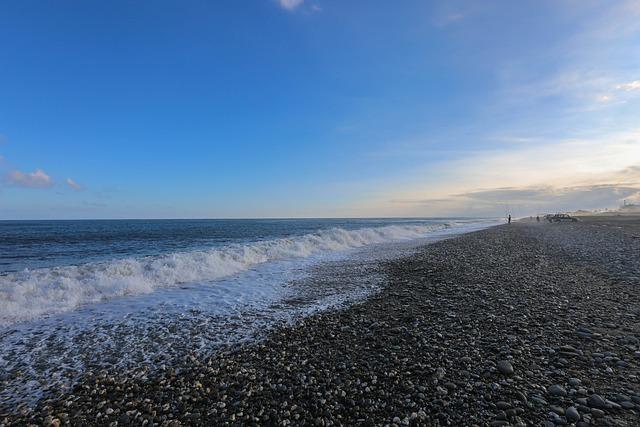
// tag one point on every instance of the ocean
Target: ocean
(125, 293)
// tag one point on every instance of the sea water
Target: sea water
(76, 295)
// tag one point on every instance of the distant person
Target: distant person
(538, 218)
(509, 219)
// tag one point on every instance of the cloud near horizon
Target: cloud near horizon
(36, 179)
(532, 200)
(545, 175)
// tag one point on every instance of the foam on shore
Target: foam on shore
(31, 294)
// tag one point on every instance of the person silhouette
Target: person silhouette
(509, 219)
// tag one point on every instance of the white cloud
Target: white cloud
(71, 183)
(290, 4)
(634, 85)
(37, 179)
(565, 173)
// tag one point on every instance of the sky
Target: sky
(317, 108)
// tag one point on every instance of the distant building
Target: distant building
(629, 207)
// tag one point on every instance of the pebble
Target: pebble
(572, 414)
(628, 405)
(575, 382)
(596, 401)
(557, 390)
(505, 367)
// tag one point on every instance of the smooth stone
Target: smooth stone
(596, 401)
(574, 382)
(521, 396)
(628, 405)
(557, 390)
(572, 414)
(505, 367)
(503, 405)
(612, 405)
(538, 400)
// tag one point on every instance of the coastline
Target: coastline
(560, 304)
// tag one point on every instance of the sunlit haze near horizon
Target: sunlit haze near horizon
(317, 108)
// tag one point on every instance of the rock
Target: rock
(574, 382)
(628, 405)
(441, 391)
(612, 405)
(503, 405)
(539, 400)
(505, 367)
(596, 401)
(450, 386)
(572, 414)
(557, 390)
(598, 413)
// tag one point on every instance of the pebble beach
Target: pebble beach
(521, 324)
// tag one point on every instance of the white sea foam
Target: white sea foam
(31, 294)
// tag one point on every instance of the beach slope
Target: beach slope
(518, 324)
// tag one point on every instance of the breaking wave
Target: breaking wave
(33, 293)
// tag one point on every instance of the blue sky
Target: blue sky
(317, 108)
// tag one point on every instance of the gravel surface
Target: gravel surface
(523, 324)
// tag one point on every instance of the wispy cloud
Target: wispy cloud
(589, 64)
(634, 85)
(588, 196)
(36, 179)
(71, 183)
(290, 4)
